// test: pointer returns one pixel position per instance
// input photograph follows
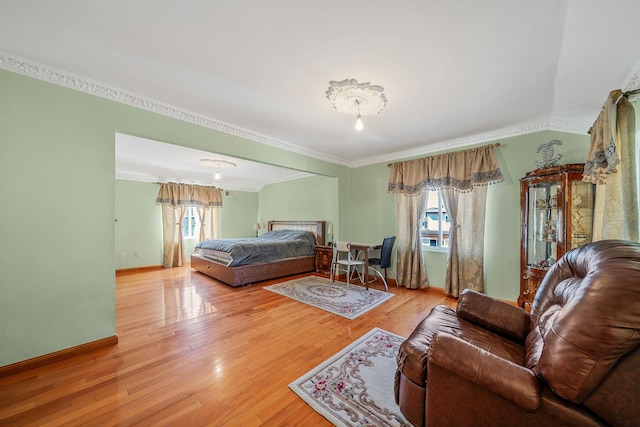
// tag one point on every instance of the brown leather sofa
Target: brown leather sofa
(573, 361)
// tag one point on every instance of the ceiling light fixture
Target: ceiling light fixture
(218, 163)
(362, 99)
(359, 124)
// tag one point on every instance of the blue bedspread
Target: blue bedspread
(271, 246)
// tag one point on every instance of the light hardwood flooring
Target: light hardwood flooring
(196, 352)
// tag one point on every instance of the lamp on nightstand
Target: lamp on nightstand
(256, 227)
(330, 234)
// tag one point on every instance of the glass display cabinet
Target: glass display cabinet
(556, 216)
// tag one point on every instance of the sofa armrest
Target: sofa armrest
(495, 315)
(514, 383)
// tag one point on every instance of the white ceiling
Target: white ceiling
(141, 159)
(454, 72)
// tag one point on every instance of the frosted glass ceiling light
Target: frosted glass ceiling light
(362, 99)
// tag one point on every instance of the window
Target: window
(191, 224)
(435, 225)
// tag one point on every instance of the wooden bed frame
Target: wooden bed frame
(246, 274)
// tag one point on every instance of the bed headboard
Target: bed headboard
(316, 227)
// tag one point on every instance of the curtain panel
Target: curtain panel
(410, 265)
(611, 166)
(465, 264)
(460, 170)
(172, 241)
(455, 174)
(175, 199)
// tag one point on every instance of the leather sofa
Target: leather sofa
(574, 360)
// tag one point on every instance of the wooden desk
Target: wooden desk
(365, 247)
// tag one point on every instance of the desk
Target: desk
(365, 247)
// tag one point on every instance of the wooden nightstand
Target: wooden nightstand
(324, 258)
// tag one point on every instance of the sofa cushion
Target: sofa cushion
(587, 316)
(489, 313)
(412, 355)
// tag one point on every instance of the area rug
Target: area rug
(337, 298)
(355, 387)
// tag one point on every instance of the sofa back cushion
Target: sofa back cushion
(587, 316)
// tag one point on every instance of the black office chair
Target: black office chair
(384, 262)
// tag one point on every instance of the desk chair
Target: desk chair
(344, 260)
(384, 261)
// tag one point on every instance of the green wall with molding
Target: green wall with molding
(375, 209)
(57, 164)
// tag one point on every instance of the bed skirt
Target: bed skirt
(246, 274)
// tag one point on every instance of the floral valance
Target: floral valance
(175, 195)
(460, 170)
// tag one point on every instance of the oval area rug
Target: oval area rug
(355, 386)
(348, 301)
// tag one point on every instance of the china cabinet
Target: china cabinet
(556, 216)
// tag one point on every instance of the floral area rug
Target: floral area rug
(337, 298)
(355, 387)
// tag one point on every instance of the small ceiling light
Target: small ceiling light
(219, 164)
(359, 124)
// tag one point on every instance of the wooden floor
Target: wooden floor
(193, 352)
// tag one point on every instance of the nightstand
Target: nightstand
(324, 258)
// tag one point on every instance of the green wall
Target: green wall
(312, 198)
(58, 186)
(374, 209)
(57, 263)
(138, 225)
(238, 214)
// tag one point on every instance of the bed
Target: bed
(215, 259)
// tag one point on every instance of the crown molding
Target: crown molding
(155, 179)
(289, 178)
(69, 80)
(569, 127)
(523, 129)
(43, 72)
(633, 81)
